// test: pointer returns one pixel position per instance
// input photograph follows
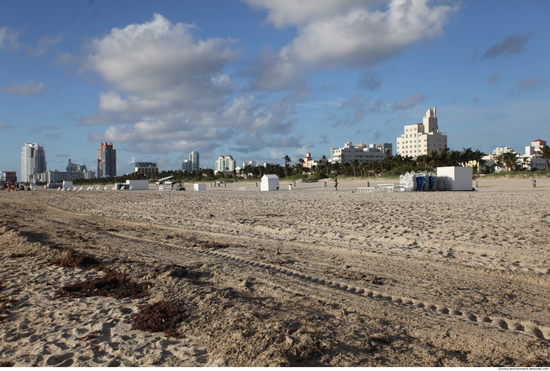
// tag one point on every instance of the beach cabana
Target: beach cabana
(199, 187)
(270, 182)
(460, 178)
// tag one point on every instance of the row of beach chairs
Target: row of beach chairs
(91, 188)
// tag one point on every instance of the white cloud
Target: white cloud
(8, 39)
(276, 154)
(132, 160)
(409, 101)
(43, 45)
(290, 12)
(343, 33)
(169, 91)
(159, 57)
(30, 88)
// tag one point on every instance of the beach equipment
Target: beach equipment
(270, 182)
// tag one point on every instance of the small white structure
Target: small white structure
(460, 178)
(137, 185)
(67, 184)
(199, 187)
(270, 182)
(166, 187)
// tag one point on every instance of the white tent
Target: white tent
(270, 182)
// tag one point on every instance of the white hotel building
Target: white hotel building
(421, 139)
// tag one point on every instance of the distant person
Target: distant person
(335, 184)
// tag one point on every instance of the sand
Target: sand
(301, 277)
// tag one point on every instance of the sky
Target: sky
(261, 79)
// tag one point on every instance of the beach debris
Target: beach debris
(74, 260)
(307, 349)
(111, 284)
(162, 316)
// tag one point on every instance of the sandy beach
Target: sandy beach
(301, 277)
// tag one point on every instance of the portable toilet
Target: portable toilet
(460, 178)
(270, 182)
(199, 187)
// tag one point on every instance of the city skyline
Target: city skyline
(262, 79)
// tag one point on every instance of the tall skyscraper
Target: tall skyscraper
(106, 161)
(194, 160)
(33, 161)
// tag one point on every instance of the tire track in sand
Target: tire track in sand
(432, 309)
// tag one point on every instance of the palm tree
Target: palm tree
(510, 160)
(287, 161)
(477, 157)
(544, 152)
(354, 165)
(466, 156)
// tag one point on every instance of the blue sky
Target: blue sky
(260, 79)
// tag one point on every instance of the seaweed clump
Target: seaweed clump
(162, 316)
(73, 260)
(112, 284)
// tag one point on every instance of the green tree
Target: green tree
(544, 152)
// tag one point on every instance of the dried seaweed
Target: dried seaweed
(112, 284)
(14, 256)
(307, 350)
(162, 316)
(76, 261)
(6, 364)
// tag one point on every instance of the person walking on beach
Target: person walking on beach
(335, 184)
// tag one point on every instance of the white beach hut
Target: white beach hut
(137, 184)
(199, 187)
(270, 182)
(460, 178)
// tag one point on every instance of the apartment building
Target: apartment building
(421, 139)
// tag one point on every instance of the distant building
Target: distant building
(8, 176)
(225, 164)
(308, 161)
(146, 167)
(33, 161)
(500, 150)
(194, 160)
(192, 164)
(532, 159)
(54, 176)
(423, 138)
(361, 153)
(106, 161)
(75, 167)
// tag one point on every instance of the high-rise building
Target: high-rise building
(192, 164)
(421, 139)
(194, 160)
(33, 161)
(225, 163)
(106, 161)
(75, 167)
